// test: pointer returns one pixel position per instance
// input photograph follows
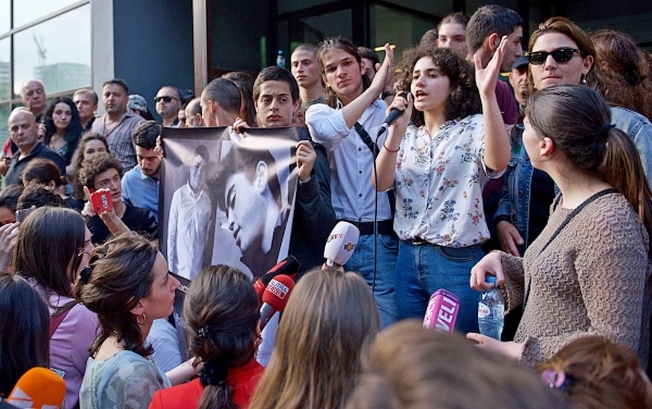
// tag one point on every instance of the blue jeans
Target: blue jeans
(362, 261)
(422, 269)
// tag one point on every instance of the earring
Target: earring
(144, 319)
(583, 79)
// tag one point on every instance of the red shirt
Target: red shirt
(243, 380)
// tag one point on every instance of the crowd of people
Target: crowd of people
(540, 179)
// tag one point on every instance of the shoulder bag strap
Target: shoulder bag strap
(575, 212)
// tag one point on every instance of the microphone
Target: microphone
(289, 266)
(275, 297)
(38, 388)
(340, 244)
(393, 115)
(442, 311)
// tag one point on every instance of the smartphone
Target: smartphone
(101, 201)
(22, 214)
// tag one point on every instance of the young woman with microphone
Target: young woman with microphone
(439, 165)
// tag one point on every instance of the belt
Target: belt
(383, 226)
(417, 241)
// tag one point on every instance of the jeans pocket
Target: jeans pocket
(457, 254)
(389, 241)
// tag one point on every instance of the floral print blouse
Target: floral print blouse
(439, 184)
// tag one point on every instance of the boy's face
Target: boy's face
(275, 105)
(513, 50)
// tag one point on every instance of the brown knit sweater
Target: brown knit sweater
(592, 279)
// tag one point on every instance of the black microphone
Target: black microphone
(393, 114)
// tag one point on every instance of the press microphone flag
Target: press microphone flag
(275, 297)
(442, 310)
(340, 244)
(38, 388)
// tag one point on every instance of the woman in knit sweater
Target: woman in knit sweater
(588, 271)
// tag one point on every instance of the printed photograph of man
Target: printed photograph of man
(249, 195)
(190, 220)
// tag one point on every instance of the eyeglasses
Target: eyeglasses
(165, 99)
(560, 55)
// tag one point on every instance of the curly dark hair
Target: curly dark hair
(464, 99)
(96, 165)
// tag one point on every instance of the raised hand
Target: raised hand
(485, 78)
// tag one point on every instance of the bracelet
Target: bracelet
(389, 150)
(386, 94)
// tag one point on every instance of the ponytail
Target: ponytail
(217, 393)
(622, 169)
(577, 119)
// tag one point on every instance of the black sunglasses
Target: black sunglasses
(560, 55)
(165, 99)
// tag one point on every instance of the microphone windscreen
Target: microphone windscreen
(341, 243)
(288, 266)
(442, 310)
(38, 388)
(278, 291)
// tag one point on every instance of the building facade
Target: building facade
(72, 44)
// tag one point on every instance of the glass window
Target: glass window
(56, 52)
(26, 11)
(285, 6)
(397, 28)
(4, 115)
(435, 8)
(4, 16)
(314, 29)
(5, 70)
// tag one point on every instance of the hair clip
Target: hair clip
(85, 274)
(555, 379)
(203, 332)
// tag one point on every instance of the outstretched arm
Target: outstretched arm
(497, 149)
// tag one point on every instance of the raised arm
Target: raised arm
(497, 149)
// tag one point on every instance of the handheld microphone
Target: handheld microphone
(442, 311)
(393, 115)
(289, 266)
(38, 388)
(340, 244)
(275, 297)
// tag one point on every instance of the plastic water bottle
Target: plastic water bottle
(491, 310)
(280, 60)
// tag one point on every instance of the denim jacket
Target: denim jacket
(515, 203)
(639, 129)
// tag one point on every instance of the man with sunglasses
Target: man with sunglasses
(168, 101)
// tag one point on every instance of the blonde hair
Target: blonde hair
(329, 320)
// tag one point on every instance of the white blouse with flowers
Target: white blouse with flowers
(439, 184)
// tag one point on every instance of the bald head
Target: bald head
(33, 96)
(193, 113)
(23, 129)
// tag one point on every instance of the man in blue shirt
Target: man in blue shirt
(140, 184)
